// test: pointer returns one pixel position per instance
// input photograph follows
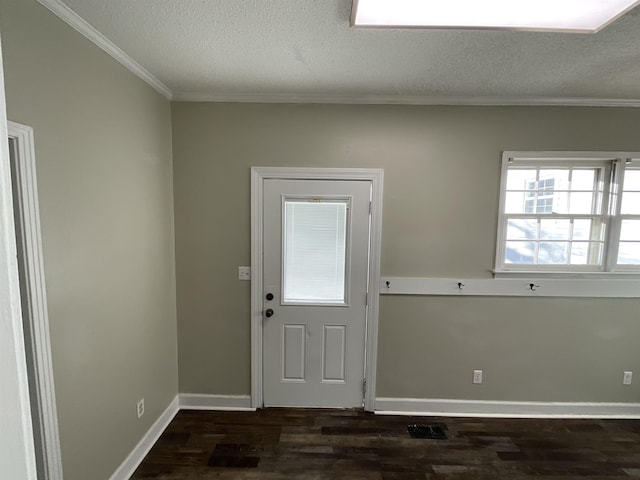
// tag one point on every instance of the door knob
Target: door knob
(269, 296)
(268, 313)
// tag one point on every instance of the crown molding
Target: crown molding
(404, 100)
(82, 26)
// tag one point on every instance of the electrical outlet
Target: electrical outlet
(140, 407)
(626, 378)
(244, 273)
(477, 376)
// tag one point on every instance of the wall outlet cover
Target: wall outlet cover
(477, 376)
(244, 273)
(140, 407)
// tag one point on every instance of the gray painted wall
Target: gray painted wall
(103, 148)
(442, 167)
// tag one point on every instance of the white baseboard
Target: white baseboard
(484, 408)
(198, 401)
(126, 469)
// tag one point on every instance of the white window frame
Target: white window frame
(615, 164)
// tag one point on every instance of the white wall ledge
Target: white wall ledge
(607, 286)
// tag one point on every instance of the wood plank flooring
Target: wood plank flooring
(291, 444)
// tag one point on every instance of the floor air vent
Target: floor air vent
(434, 432)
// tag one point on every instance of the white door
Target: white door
(315, 270)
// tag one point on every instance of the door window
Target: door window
(315, 250)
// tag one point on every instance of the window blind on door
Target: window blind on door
(315, 250)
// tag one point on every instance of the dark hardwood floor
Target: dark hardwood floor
(339, 444)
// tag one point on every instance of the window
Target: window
(569, 213)
(315, 250)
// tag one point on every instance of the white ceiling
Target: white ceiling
(305, 50)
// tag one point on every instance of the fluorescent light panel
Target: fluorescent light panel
(585, 16)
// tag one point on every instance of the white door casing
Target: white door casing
(314, 328)
(327, 329)
(17, 457)
(34, 303)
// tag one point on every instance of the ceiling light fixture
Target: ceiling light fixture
(578, 16)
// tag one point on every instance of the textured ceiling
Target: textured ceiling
(243, 49)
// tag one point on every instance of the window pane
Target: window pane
(315, 251)
(629, 253)
(518, 229)
(556, 179)
(583, 253)
(596, 253)
(582, 229)
(582, 179)
(542, 202)
(520, 252)
(543, 205)
(579, 253)
(630, 203)
(630, 230)
(515, 203)
(560, 202)
(517, 179)
(599, 230)
(553, 253)
(552, 229)
(632, 180)
(581, 203)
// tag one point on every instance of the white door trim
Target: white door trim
(258, 175)
(36, 300)
(17, 458)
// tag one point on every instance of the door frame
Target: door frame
(258, 176)
(38, 347)
(17, 457)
